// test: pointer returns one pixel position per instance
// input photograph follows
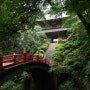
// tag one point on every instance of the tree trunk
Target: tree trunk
(85, 23)
(88, 29)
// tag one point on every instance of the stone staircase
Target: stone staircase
(50, 50)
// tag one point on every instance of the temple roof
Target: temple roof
(51, 23)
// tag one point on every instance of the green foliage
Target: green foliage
(41, 54)
(42, 49)
(87, 69)
(61, 40)
(75, 64)
(71, 7)
(61, 70)
(37, 28)
(57, 57)
(30, 40)
(10, 85)
(68, 85)
(44, 46)
(15, 17)
(15, 83)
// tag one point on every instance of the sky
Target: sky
(48, 16)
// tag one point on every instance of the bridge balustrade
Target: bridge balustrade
(10, 60)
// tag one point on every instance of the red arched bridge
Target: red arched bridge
(15, 59)
(37, 67)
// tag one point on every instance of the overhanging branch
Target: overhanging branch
(85, 23)
(83, 20)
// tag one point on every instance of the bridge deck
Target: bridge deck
(7, 63)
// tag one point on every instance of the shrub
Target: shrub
(57, 57)
(44, 47)
(87, 69)
(68, 85)
(41, 55)
(61, 70)
(59, 48)
(62, 41)
(41, 51)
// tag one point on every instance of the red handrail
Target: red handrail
(19, 58)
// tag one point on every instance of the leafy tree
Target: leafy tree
(32, 40)
(15, 15)
(79, 7)
(29, 39)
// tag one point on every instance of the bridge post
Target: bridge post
(24, 55)
(14, 58)
(44, 60)
(1, 61)
(37, 57)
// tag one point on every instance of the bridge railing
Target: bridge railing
(10, 60)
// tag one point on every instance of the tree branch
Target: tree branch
(83, 20)
(85, 23)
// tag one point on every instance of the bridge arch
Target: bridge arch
(38, 70)
(9, 72)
